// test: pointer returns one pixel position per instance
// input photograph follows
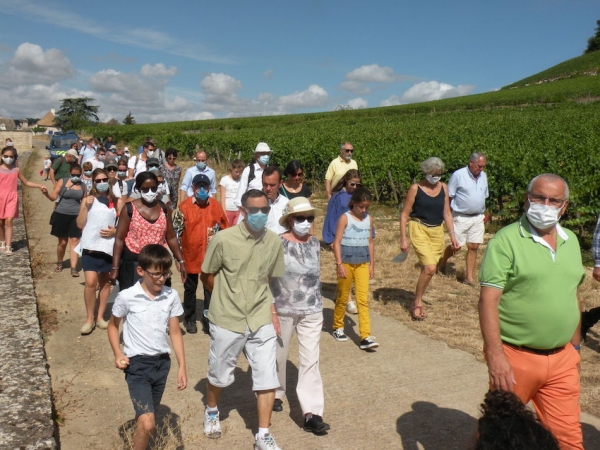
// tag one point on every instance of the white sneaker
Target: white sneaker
(212, 425)
(351, 307)
(267, 442)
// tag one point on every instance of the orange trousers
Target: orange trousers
(552, 384)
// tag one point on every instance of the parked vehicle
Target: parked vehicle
(60, 143)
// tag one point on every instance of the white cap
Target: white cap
(262, 147)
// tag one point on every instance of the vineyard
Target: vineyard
(549, 122)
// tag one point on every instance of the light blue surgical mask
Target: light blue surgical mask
(201, 165)
(121, 174)
(202, 194)
(264, 159)
(87, 173)
(153, 169)
(258, 221)
(102, 187)
(76, 179)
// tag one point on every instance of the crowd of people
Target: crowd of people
(256, 255)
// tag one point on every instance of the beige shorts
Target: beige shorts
(468, 229)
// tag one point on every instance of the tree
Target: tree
(129, 119)
(76, 113)
(594, 41)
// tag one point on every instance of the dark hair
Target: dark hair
(122, 162)
(252, 193)
(155, 255)
(292, 167)
(350, 175)
(94, 191)
(238, 164)
(144, 176)
(148, 144)
(361, 194)
(270, 170)
(12, 149)
(75, 167)
(171, 151)
(507, 424)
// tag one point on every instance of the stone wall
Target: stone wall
(23, 140)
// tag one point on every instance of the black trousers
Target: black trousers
(189, 298)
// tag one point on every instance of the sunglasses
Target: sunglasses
(348, 151)
(354, 184)
(300, 219)
(100, 180)
(298, 175)
(111, 169)
(171, 157)
(148, 189)
(255, 210)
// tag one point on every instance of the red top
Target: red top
(142, 232)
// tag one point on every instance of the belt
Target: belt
(536, 351)
(152, 357)
(467, 215)
(428, 225)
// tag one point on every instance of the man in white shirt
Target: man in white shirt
(468, 189)
(271, 181)
(201, 167)
(252, 175)
(88, 151)
(98, 160)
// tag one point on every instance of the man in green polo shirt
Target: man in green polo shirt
(242, 260)
(529, 310)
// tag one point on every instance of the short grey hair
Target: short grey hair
(476, 155)
(551, 178)
(343, 144)
(432, 164)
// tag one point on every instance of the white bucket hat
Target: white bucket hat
(298, 205)
(262, 147)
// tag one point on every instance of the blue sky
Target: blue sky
(176, 60)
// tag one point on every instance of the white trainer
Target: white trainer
(267, 442)
(212, 425)
(351, 307)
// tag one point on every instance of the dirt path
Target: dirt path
(412, 393)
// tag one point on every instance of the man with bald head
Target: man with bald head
(529, 310)
(200, 167)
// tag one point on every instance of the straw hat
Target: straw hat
(298, 205)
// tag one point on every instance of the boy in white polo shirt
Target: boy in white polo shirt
(148, 309)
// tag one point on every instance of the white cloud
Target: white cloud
(158, 70)
(32, 65)
(356, 80)
(432, 90)
(313, 96)
(358, 103)
(391, 101)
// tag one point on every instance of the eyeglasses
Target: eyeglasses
(148, 189)
(354, 184)
(254, 209)
(100, 180)
(556, 202)
(300, 219)
(298, 175)
(348, 150)
(159, 275)
(171, 158)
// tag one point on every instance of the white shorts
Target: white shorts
(468, 229)
(259, 347)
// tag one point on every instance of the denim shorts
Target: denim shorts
(146, 378)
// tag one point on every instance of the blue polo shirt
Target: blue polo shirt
(186, 184)
(468, 193)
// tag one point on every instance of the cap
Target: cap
(111, 162)
(152, 162)
(295, 206)
(72, 152)
(125, 149)
(262, 147)
(201, 178)
(113, 148)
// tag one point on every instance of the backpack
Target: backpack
(251, 175)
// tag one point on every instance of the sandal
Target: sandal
(8, 250)
(74, 273)
(415, 316)
(58, 267)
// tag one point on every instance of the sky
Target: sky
(188, 60)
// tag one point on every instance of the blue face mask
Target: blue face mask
(76, 179)
(153, 169)
(258, 221)
(102, 187)
(87, 173)
(121, 174)
(202, 194)
(201, 165)
(264, 159)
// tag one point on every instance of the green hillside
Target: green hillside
(547, 127)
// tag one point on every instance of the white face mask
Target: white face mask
(149, 196)
(8, 161)
(301, 228)
(542, 217)
(433, 180)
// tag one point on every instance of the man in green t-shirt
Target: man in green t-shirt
(529, 310)
(61, 168)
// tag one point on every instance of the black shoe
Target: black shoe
(191, 327)
(316, 425)
(277, 405)
(206, 327)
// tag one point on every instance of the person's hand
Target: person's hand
(501, 372)
(341, 271)
(404, 247)
(121, 362)
(455, 244)
(113, 275)
(182, 270)
(596, 273)
(108, 232)
(181, 379)
(44, 189)
(276, 324)
(89, 201)
(371, 271)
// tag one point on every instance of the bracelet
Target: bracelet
(181, 262)
(114, 268)
(577, 347)
(273, 312)
(451, 232)
(338, 264)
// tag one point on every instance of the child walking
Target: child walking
(228, 188)
(47, 165)
(355, 259)
(149, 310)
(9, 198)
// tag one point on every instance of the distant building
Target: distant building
(7, 124)
(112, 122)
(48, 123)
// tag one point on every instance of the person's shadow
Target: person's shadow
(435, 428)
(167, 433)
(591, 437)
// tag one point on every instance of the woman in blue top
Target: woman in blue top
(338, 204)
